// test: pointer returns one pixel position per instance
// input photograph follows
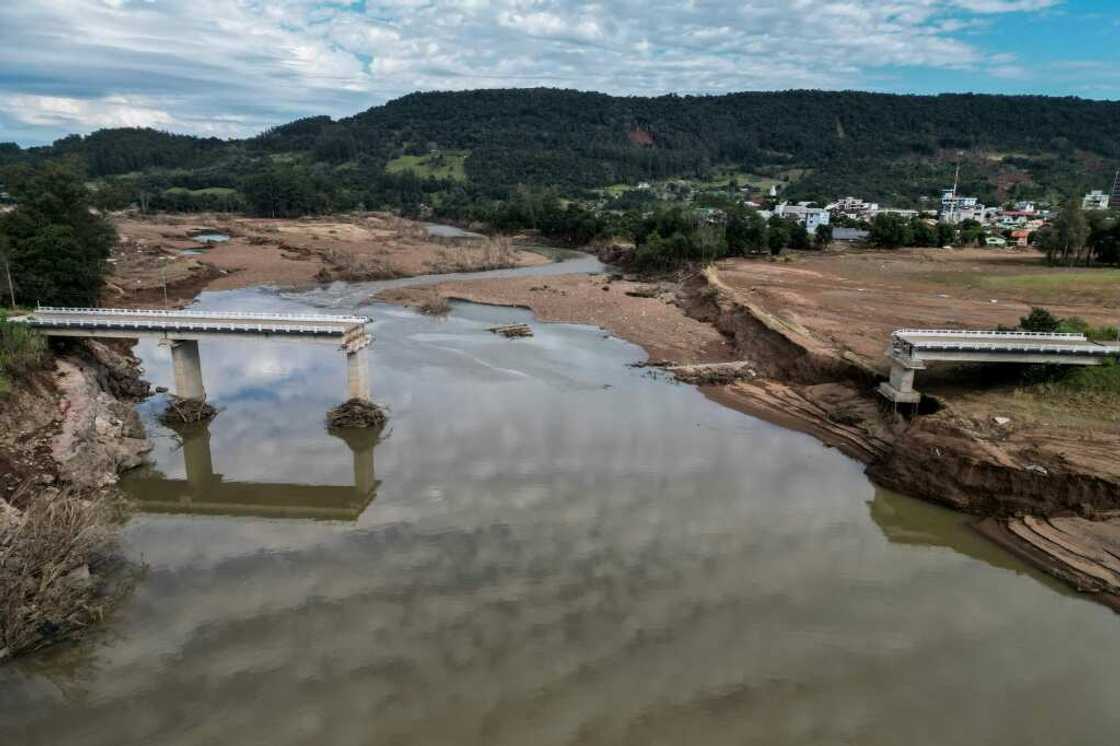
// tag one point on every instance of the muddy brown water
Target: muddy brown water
(547, 547)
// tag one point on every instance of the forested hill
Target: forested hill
(823, 144)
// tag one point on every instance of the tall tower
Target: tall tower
(1114, 199)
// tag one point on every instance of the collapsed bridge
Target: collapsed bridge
(911, 349)
(182, 330)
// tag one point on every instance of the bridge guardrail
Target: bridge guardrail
(996, 334)
(118, 312)
(171, 326)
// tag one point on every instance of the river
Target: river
(546, 547)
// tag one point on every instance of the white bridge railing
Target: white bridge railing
(222, 315)
(969, 333)
(184, 326)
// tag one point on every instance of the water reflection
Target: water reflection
(207, 493)
(561, 551)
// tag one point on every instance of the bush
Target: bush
(1039, 320)
(46, 555)
(21, 350)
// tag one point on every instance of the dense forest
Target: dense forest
(466, 149)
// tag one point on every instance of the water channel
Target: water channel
(547, 547)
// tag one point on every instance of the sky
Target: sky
(231, 68)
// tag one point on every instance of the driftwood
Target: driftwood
(186, 412)
(512, 330)
(356, 414)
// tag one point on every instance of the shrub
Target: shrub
(21, 350)
(46, 555)
(1039, 320)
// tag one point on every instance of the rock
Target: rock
(1002, 421)
(1037, 469)
(161, 389)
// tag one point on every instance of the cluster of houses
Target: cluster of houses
(1004, 225)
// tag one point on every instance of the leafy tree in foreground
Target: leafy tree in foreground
(1039, 320)
(890, 231)
(57, 246)
(823, 236)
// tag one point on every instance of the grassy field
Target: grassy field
(718, 179)
(444, 165)
(1052, 285)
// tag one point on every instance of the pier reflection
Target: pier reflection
(908, 520)
(207, 493)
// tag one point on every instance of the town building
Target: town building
(810, 217)
(956, 209)
(1114, 202)
(853, 208)
(1095, 200)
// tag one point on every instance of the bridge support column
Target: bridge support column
(188, 369)
(357, 375)
(900, 388)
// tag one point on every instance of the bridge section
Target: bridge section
(912, 349)
(182, 330)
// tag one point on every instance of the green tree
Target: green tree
(823, 236)
(1039, 320)
(923, 234)
(58, 246)
(890, 230)
(799, 237)
(778, 233)
(946, 234)
(1071, 231)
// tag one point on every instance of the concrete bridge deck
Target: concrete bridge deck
(182, 330)
(131, 323)
(911, 349)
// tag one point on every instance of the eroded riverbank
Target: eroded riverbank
(958, 456)
(552, 546)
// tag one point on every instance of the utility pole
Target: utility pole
(8, 270)
(163, 278)
(11, 285)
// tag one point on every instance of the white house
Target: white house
(955, 209)
(1095, 200)
(810, 217)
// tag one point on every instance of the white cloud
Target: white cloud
(112, 111)
(232, 68)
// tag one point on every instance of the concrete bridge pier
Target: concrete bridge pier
(188, 369)
(357, 375)
(900, 388)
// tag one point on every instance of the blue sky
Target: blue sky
(230, 68)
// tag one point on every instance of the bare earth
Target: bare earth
(816, 327)
(654, 323)
(291, 253)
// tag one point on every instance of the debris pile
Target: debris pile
(356, 414)
(513, 330)
(186, 412)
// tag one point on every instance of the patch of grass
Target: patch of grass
(1097, 383)
(443, 165)
(21, 350)
(1059, 279)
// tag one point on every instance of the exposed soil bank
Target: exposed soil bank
(66, 432)
(957, 457)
